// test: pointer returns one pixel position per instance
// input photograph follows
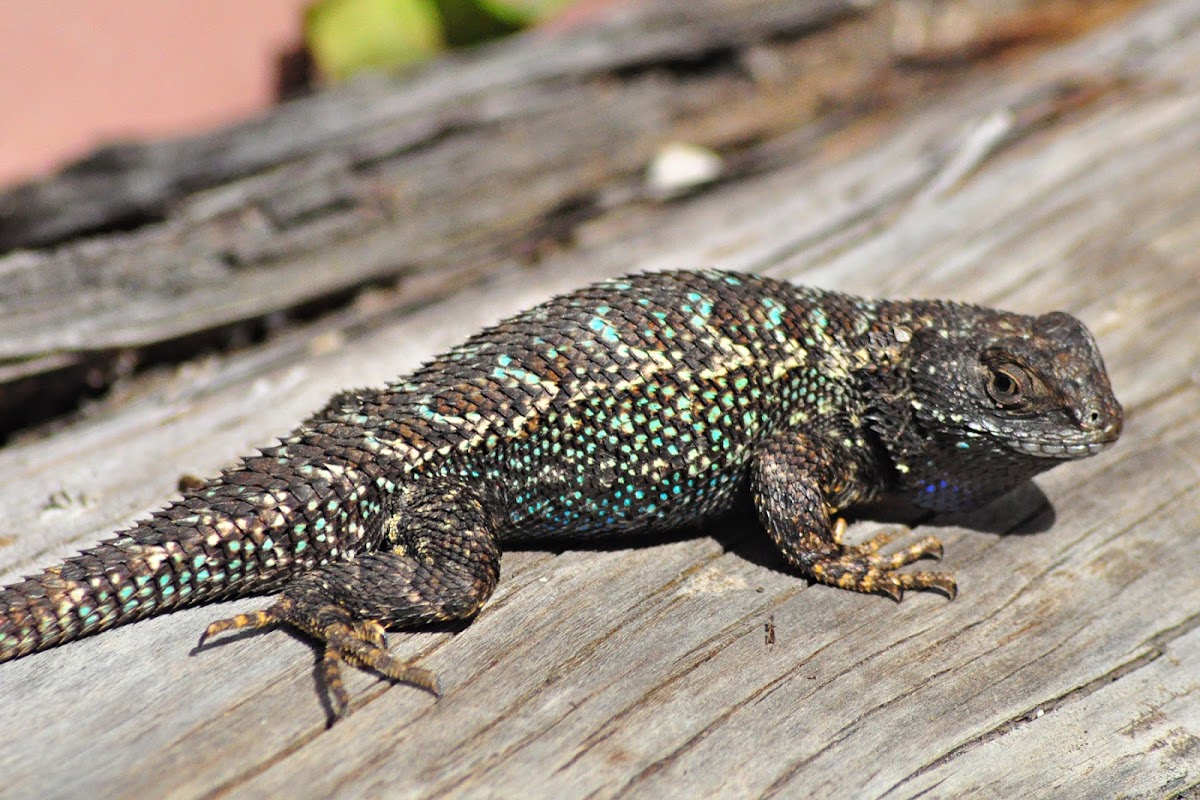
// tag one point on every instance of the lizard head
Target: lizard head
(997, 398)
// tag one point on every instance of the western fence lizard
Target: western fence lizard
(646, 403)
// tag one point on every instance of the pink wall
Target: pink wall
(74, 74)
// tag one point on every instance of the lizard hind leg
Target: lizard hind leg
(442, 564)
(792, 481)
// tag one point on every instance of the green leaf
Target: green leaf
(522, 12)
(347, 36)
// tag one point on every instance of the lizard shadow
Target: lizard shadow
(1024, 511)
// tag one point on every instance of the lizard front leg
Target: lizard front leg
(442, 564)
(794, 481)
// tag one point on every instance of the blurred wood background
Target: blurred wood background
(167, 306)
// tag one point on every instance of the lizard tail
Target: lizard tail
(243, 533)
(174, 559)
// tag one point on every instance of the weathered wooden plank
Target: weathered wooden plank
(141, 179)
(378, 181)
(367, 184)
(647, 669)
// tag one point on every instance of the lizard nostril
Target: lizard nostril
(1091, 416)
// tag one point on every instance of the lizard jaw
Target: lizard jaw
(1065, 450)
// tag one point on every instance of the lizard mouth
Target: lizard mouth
(1064, 449)
(1061, 449)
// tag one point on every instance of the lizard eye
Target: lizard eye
(1008, 385)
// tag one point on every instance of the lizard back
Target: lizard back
(630, 405)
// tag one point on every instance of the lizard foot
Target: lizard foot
(361, 642)
(861, 568)
(363, 645)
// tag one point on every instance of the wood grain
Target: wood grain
(1068, 177)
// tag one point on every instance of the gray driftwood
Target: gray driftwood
(1065, 175)
(473, 157)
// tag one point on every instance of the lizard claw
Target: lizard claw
(255, 619)
(936, 581)
(891, 588)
